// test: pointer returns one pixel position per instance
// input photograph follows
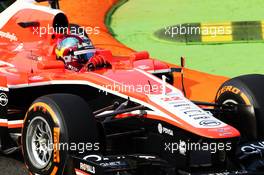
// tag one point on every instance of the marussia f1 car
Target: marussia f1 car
(116, 115)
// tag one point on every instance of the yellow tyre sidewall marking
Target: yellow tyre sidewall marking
(56, 148)
(54, 171)
(47, 108)
(234, 90)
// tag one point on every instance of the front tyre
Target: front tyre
(54, 127)
(245, 90)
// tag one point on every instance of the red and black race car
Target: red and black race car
(77, 109)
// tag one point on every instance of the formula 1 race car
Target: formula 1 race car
(77, 109)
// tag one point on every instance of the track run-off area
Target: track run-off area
(135, 22)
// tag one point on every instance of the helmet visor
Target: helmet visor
(84, 55)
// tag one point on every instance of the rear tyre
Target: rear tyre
(57, 127)
(246, 90)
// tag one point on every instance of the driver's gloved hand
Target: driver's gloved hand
(96, 62)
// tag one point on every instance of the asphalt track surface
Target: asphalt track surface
(12, 165)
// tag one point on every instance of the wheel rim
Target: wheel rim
(231, 120)
(236, 122)
(230, 101)
(39, 142)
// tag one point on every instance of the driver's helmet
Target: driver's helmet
(75, 51)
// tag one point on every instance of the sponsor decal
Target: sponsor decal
(194, 112)
(181, 105)
(7, 35)
(36, 78)
(186, 110)
(105, 161)
(79, 172)
(111, 161)
(170, 99)
(160, 128)
(201, 118)
(3, 99)
(143, 67)
(210, 123)
(164, 130)
(253, 148)
(112, 164)
(147, 157)
(98, 158)
(87, 168)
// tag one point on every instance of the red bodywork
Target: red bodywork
(29, 61)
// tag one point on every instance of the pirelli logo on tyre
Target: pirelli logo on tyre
(233, 90)
(56, 151)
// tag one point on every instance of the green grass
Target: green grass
(135, 22)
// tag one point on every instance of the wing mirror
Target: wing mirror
(53, 3)
(28, 24)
